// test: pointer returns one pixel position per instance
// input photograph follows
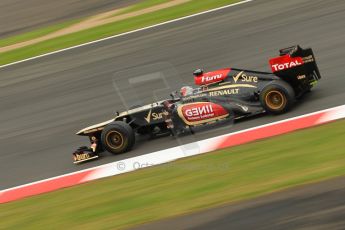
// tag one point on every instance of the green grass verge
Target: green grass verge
(111, 29)
(140, 6)
(35, 33)
(187, 185)
(49, 29)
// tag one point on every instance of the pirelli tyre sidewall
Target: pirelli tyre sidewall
(277, 97)
(117, 137)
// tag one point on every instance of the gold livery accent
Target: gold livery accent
(301, 77)
(308, 59)
(223, 92)
(81, 157)
(94, 128)
(76, 161)
(94, 147)
(148, 117)
(245, 78)
(100, 126)
(231, 86)
(195, 96)
(230, 89)
(155, 116)
(158, 116)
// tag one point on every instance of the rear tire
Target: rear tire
(117, 137)
(277, 97)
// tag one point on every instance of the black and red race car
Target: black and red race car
(228, 93)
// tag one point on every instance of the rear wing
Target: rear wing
(296, 66)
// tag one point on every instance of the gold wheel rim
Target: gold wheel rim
(275, 100)
(114, 139)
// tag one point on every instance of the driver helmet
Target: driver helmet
(186, 91)
(198, 72)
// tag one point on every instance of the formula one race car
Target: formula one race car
(222, 94)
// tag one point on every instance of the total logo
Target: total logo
(206, 79)
(288, 65)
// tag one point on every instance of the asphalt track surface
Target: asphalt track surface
(310, 207)
(45, 101)
(18, 16)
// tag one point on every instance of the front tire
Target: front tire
(117, 137)
(277, 97)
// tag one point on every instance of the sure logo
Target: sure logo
(245, 78)
(158, 116)
(155, 116)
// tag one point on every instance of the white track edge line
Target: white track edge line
(126, 33)
(237, 132)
